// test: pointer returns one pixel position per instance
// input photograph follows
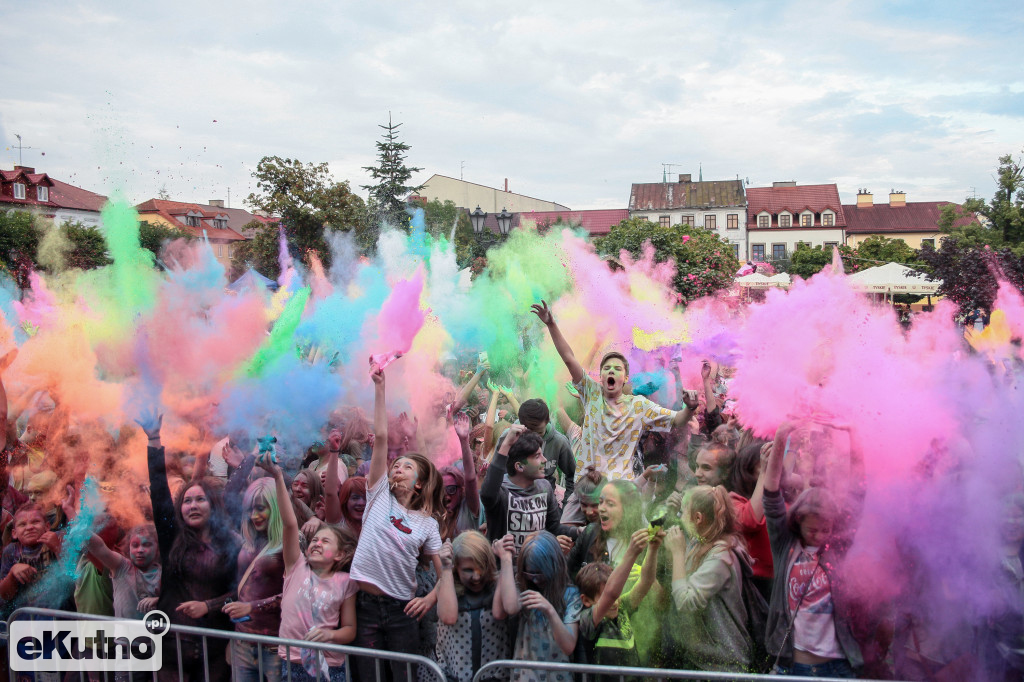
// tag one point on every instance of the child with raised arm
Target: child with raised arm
(605, 628)
(612, 421)
(399, 525)
(136, 578)
(318, 601)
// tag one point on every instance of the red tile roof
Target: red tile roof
(664, 196)
(174, 212)
(597, 221)
(795, 200)
(915, 216)
(69, 196)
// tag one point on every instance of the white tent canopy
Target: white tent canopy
(893, 278)
(758, 281)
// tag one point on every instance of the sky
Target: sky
(571, 101)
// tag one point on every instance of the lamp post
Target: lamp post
(484, 237)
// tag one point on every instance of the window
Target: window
(19, 190)
(192, 221)
(829, 245)
(709, 221)
(732, 221)
(757, 253)
(828, 219)
(807, 220)
(736, 251)
(929, 242)
(785, 220)
(220, 223)
(220, 250)
(778, 252)
(43, 193)
(665, 220)
(764, 221)
(688, 220)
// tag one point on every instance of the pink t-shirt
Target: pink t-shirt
(308, 602)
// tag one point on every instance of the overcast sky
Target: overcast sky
(572, 101)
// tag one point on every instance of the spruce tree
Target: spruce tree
(387, 197)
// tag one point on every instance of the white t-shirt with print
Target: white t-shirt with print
(391, 542)
(611, 430)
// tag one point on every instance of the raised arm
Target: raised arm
(506, 597)
(159, 491)
(773, 470)
(710, 401)
(617, 580)
(682, 417)
(467, 390)
(561, 345)
(379, 459)
(332, 505)
(447, 601)
(290, 548)
(757, 497)
(648, 573)
(106, 556)
(513, 401)
(472, 494)
(5, 362)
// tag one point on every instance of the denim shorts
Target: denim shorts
(838, 669)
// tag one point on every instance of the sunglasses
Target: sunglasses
(451, 489)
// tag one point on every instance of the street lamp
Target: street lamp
(478, 217)
(504, 221)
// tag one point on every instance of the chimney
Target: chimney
(685, 177)
(897, 199)
(219, 203)
(506, 184)
(784, 183)
(27, 169)
(864, 199)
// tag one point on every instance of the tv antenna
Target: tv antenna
(462, 171)
(666, 170)
(20, 147)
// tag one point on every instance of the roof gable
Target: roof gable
(664, 196)
(796, 199)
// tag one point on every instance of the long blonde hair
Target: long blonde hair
(718, 525)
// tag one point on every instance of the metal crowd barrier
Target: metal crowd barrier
(380, 657)
(589, 673)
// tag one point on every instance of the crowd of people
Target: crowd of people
(607, 529)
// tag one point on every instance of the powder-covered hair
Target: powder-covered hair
(632, 517)
(352, 486)
(718, 523)
(429, 499)
(472, 545)
(262, 490)
(347, 542)
(541, 566)
(817, 501)
(592, 578)
(587, 488)
(614, 354)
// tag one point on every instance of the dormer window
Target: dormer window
(220, 223)
(806, 219)
(764, 220)
(785, 220)
(192, 221)
(42, 193)
(19, 190)
(828, 218)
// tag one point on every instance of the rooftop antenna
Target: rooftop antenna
(666, 169)
(20, 147)
(462, 171)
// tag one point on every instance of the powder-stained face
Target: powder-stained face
(356, 505)
(142, 550)
(470, 574)
(300, 489)
(452, 493)
(613, 377)
(589, 506)
(195, 508)
(815, 530)
(610, 509)
(708, 472)
(259, 516)
(29, 528)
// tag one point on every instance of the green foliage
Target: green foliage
(153, 236)
(807, 261)
(704, 261)
(260, 252)
(309, 201)
(387, 196)
(19, 239)
(886, 250)
(1006, 210)
(88, 246)
(440, 218)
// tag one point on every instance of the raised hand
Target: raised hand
(334, 440)
(150, 420)
(446, 555)
(462, 425)
(691, 400)
(542, 311)
(512, 436)
(675, 541)
(376, 374)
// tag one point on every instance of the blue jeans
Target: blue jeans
(381, 623)
(839, 669)
(245, 667)
(299, 674)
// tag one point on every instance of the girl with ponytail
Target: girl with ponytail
(711, 630)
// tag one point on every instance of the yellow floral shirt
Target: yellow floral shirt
(611, 431)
